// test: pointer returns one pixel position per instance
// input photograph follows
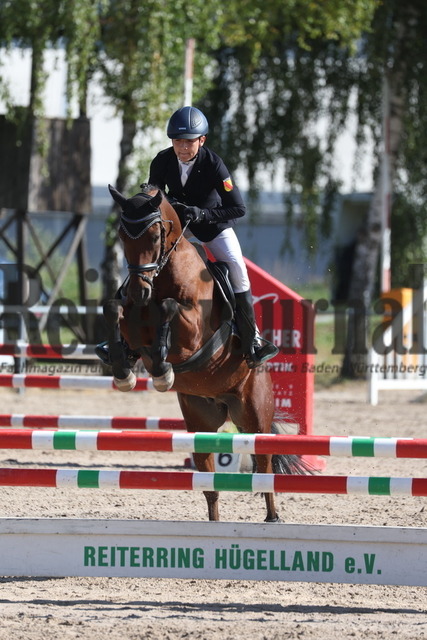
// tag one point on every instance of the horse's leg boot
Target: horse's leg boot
(103, 353)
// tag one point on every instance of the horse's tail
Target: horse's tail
(289, 463)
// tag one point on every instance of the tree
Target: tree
(42, 25)
(142, 80)
(273, 85)
(38, 26)
(396, 64)
(278, 93)
(140, 59)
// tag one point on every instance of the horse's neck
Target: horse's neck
(188, 273)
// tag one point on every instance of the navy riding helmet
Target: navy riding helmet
(187, 123)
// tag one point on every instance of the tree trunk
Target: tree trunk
(113, 256)
(365, 264)
(37, 60)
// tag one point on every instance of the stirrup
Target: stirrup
(260, 353)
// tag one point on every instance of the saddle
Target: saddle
(221, 274)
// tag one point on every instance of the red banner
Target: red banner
(287, 320)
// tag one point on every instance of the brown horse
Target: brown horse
(173, 314)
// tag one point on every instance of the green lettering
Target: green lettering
(198, 558)
(162, 557)
(369, 562)
(350, 565)
(122, 554)
(220, 559)
(327, 561)
(248, 559)
(134, 557)
(147, 557)
(89, 556)
(283, 565)
(298, 562)
(102, 557)
(261, 559)
(273, 566)
(313, 561)
(183, 558)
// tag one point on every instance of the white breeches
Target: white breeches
(226, 247)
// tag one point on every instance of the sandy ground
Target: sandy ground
(157, 609)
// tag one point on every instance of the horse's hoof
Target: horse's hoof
(275, 520)
(126, 384)
(164, 382)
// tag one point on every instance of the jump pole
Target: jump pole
(20, 349)
(203, 550)
(89, 422)
(83, 440)
(202, 481)
(24, 380)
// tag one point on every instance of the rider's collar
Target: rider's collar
(190, 162)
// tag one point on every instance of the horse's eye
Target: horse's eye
(156, 237)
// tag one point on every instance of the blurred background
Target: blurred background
(318, 110)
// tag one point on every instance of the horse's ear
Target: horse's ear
(117, 196)
(156, 200)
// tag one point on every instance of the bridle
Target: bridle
(145, 223)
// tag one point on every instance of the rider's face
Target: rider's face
(185, 150)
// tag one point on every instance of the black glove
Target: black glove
(179, 207)
(193, 214)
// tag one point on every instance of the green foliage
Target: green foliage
(142, 55)
(271, 114)
(265, 71)
(81, 33)
(278, 70)
(257, 23)
(399, 51)
(276, 77)
(408, 239)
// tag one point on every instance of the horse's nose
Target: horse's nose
(140, 296)
(145, 295)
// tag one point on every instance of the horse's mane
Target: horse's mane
(146, 187)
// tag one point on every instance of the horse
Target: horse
(174, 314)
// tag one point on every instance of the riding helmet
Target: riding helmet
(187, 123)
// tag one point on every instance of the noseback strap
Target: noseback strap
(140, 268)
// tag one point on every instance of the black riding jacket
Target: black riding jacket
(209, 186)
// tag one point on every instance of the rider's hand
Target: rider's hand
(193, 214)
(178, 206)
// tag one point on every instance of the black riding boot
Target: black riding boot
(255, 349)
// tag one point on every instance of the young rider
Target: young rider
(190, 174)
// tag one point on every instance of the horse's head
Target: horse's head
(143, 234)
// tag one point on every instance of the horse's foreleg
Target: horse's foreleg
(124, 378)
(162, 371)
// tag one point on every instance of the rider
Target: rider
(199, 186)
(201, 189)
